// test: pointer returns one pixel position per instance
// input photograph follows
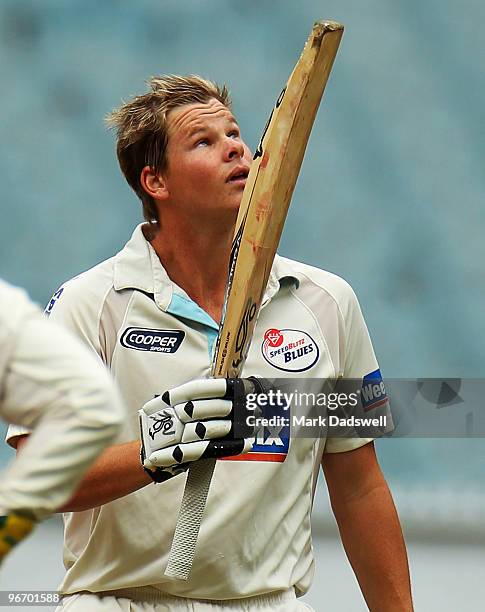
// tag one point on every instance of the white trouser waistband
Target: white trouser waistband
(150, 594)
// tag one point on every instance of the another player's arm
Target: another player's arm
(116, 473)
(369, 528)
(54, 386)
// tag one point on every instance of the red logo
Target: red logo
(273, 337)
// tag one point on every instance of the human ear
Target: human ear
(154, 184)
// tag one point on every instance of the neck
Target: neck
(196, 258)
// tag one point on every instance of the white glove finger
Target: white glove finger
(199, 410)
(181, 453)
(201, 388)
(184, 453)
(208, 430)
(153, 405)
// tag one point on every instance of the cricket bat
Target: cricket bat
(262, 213)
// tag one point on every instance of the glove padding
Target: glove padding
(196, 421)
(14, 527)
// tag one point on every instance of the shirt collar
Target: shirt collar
(137, 266)
(281, 274)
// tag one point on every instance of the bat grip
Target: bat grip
(194, 500)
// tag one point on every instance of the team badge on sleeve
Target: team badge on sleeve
(290, 350)
(373, 391)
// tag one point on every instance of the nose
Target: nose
(234, 149)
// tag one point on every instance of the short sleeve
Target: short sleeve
(64, 309)
(359, 364)
(15, 309)
(73, 307)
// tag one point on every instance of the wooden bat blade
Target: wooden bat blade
(260, 221)
(267, 195)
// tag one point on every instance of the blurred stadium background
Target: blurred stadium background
(391, 197)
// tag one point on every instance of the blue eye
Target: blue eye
(202, 142)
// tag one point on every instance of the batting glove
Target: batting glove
(197, 421)
(14, 527)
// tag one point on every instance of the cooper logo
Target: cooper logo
(290, 350)
(153, 340)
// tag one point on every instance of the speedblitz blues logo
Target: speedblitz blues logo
(373, 392)
(153, 340)
(290, 350)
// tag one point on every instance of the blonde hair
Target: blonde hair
(141, 127)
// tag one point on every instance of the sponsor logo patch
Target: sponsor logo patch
(373, 392)
(290, 350)
(153, 340)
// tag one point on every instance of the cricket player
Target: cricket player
(51, 383)
(151, 313)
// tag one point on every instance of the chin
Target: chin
(238, 200)
(232, 204)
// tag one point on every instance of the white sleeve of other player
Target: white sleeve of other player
(80, 324)
(358, 361)
(54, 386)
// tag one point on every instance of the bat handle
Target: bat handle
(194, 500)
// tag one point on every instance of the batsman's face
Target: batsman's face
(208, 162)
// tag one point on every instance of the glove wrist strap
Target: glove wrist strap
(157, 475)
